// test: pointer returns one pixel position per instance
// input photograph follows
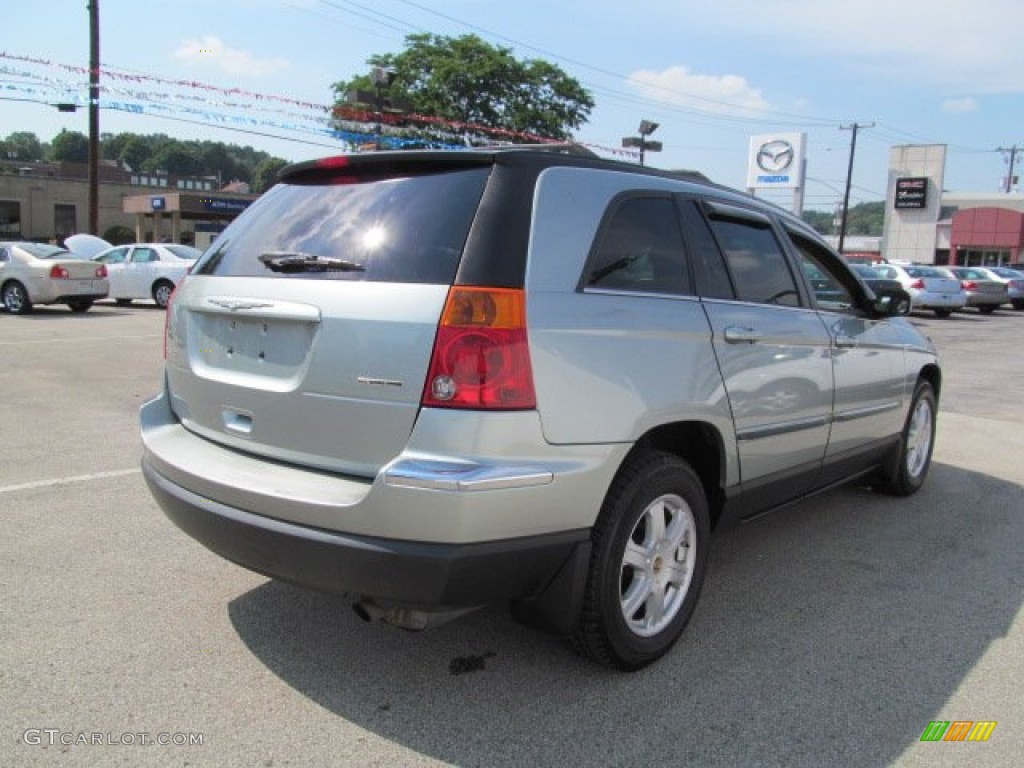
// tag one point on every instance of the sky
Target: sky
(711, 74)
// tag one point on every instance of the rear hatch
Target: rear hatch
(305, 332)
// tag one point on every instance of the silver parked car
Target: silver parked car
(929, 287)
(985, 291)
(1013, 279)
(432, 381)
(34, 273)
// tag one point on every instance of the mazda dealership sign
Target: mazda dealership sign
(776, 161)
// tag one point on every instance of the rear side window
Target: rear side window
(410, 229)
(640, 248)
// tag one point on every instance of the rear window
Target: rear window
(43, 251)
(926, 272)
(408, 230)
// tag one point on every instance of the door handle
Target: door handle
(736, 335)
(845, 342)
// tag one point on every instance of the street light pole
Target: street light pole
(647, 127)
(94, 115)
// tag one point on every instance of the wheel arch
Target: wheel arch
(933, 375)
(700, 445)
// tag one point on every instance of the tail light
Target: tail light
(918, 285)
(101, 270)
(59, 273)
(968, 285)
(481, 358)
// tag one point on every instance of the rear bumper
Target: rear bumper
(416, 574)
(925, 300)
(990, 300)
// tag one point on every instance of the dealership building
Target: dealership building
(925, 223)
(50, 201)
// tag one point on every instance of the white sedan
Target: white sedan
(33, 273)
(146, 270)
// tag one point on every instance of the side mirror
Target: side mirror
(890, 302)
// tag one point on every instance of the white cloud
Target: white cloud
(679, 87)
(966, 104)
(211, 51)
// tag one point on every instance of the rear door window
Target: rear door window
(756, 262)
(409, 229)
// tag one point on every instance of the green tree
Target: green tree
(265, 174)
(70, 147)
(22, 145)
(175, 157)
(863, 219)
(467, 80)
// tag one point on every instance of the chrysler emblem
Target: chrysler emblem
(775, 156)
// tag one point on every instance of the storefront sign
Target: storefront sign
(911, 193)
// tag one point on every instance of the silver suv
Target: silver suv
(434, 381)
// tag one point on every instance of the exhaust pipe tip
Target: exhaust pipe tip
(406, 618)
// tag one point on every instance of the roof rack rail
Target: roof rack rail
(561, 147)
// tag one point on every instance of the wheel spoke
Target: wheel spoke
(636, 556)
(636, 595)
(679, 530)
(678, 573)
(655, 515)
(655, 613)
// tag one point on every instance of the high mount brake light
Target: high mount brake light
(338, 161)
(481, 358)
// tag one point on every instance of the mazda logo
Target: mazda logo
(775, 156)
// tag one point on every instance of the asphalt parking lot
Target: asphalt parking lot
(831, 633)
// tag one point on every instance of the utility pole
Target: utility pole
(1012, 151)
(849, 177)
(94, 116)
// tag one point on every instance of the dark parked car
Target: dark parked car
(436, 380)
(876, 282)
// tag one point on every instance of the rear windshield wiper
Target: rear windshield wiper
(296, 261)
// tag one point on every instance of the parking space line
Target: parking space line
(68, 480)
(81, 338)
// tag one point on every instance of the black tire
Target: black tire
(1017, 303)
(903, 308)
(617, 627)
(79, 305)
(162, 290)
(943, 312)
(15, 298)
(123, 302)
(917, 440)
(987, 309)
